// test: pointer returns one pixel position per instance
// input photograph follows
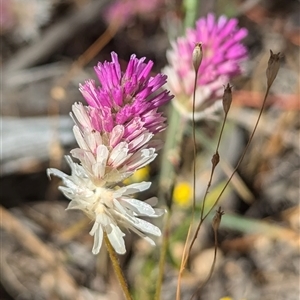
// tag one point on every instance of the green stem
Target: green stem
(162, 258)
(191, 12)
(117, 268)
(171, 153)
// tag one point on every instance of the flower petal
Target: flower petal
(115, 236)
(132, 188)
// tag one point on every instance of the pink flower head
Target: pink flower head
(123, 98)
(222, 54)
(115, 131)
(123, 11)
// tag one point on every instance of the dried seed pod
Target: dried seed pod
(215, 159)
(273, 67)
(227, 98)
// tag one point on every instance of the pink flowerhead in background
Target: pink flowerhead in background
(223, 53)
(114, 134)
(122, 11)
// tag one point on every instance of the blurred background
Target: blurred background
(48, 47)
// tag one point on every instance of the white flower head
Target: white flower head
(109, 157)
(109, 208)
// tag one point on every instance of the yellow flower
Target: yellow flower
(182, 194)
(229, 298)
(142, 174)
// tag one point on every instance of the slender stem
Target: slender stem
(194, 145)
(212, 266)
(117, 268)
(213, 167)
(244, 152)
(233, 172)
(185, 254)
(162, 258)
(235, 169)
(185, 257)
(183, 262)
(170, 155)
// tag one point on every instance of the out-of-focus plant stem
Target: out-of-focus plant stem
(166, 183)
(171, 154)
(240, 187)
(258, 228)
(162, 258)
(191, 10)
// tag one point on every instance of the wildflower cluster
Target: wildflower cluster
(115, 138)
(223, 53)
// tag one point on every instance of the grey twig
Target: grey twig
(57, 34)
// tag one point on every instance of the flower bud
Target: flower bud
(227, 98)
(273, 67)
(215, 159)
(197, 56)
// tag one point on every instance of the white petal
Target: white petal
(103, 219)
(74, 205)
(116, 135)
(119, 207)
(69, 193)
(97, 232)
(78, 153)
(101, 161)
(132, 188)
(79, 138)
(141, 158)
(92, 139)
(149, 240)
(115, 236)
(80, 114)
(94, 228)
(119, 154)
(85, 156)
(102, 153)
(140, 140)
(138, 206)
(145, 226)
(56, 172)
(83, 203)
(70, 185)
